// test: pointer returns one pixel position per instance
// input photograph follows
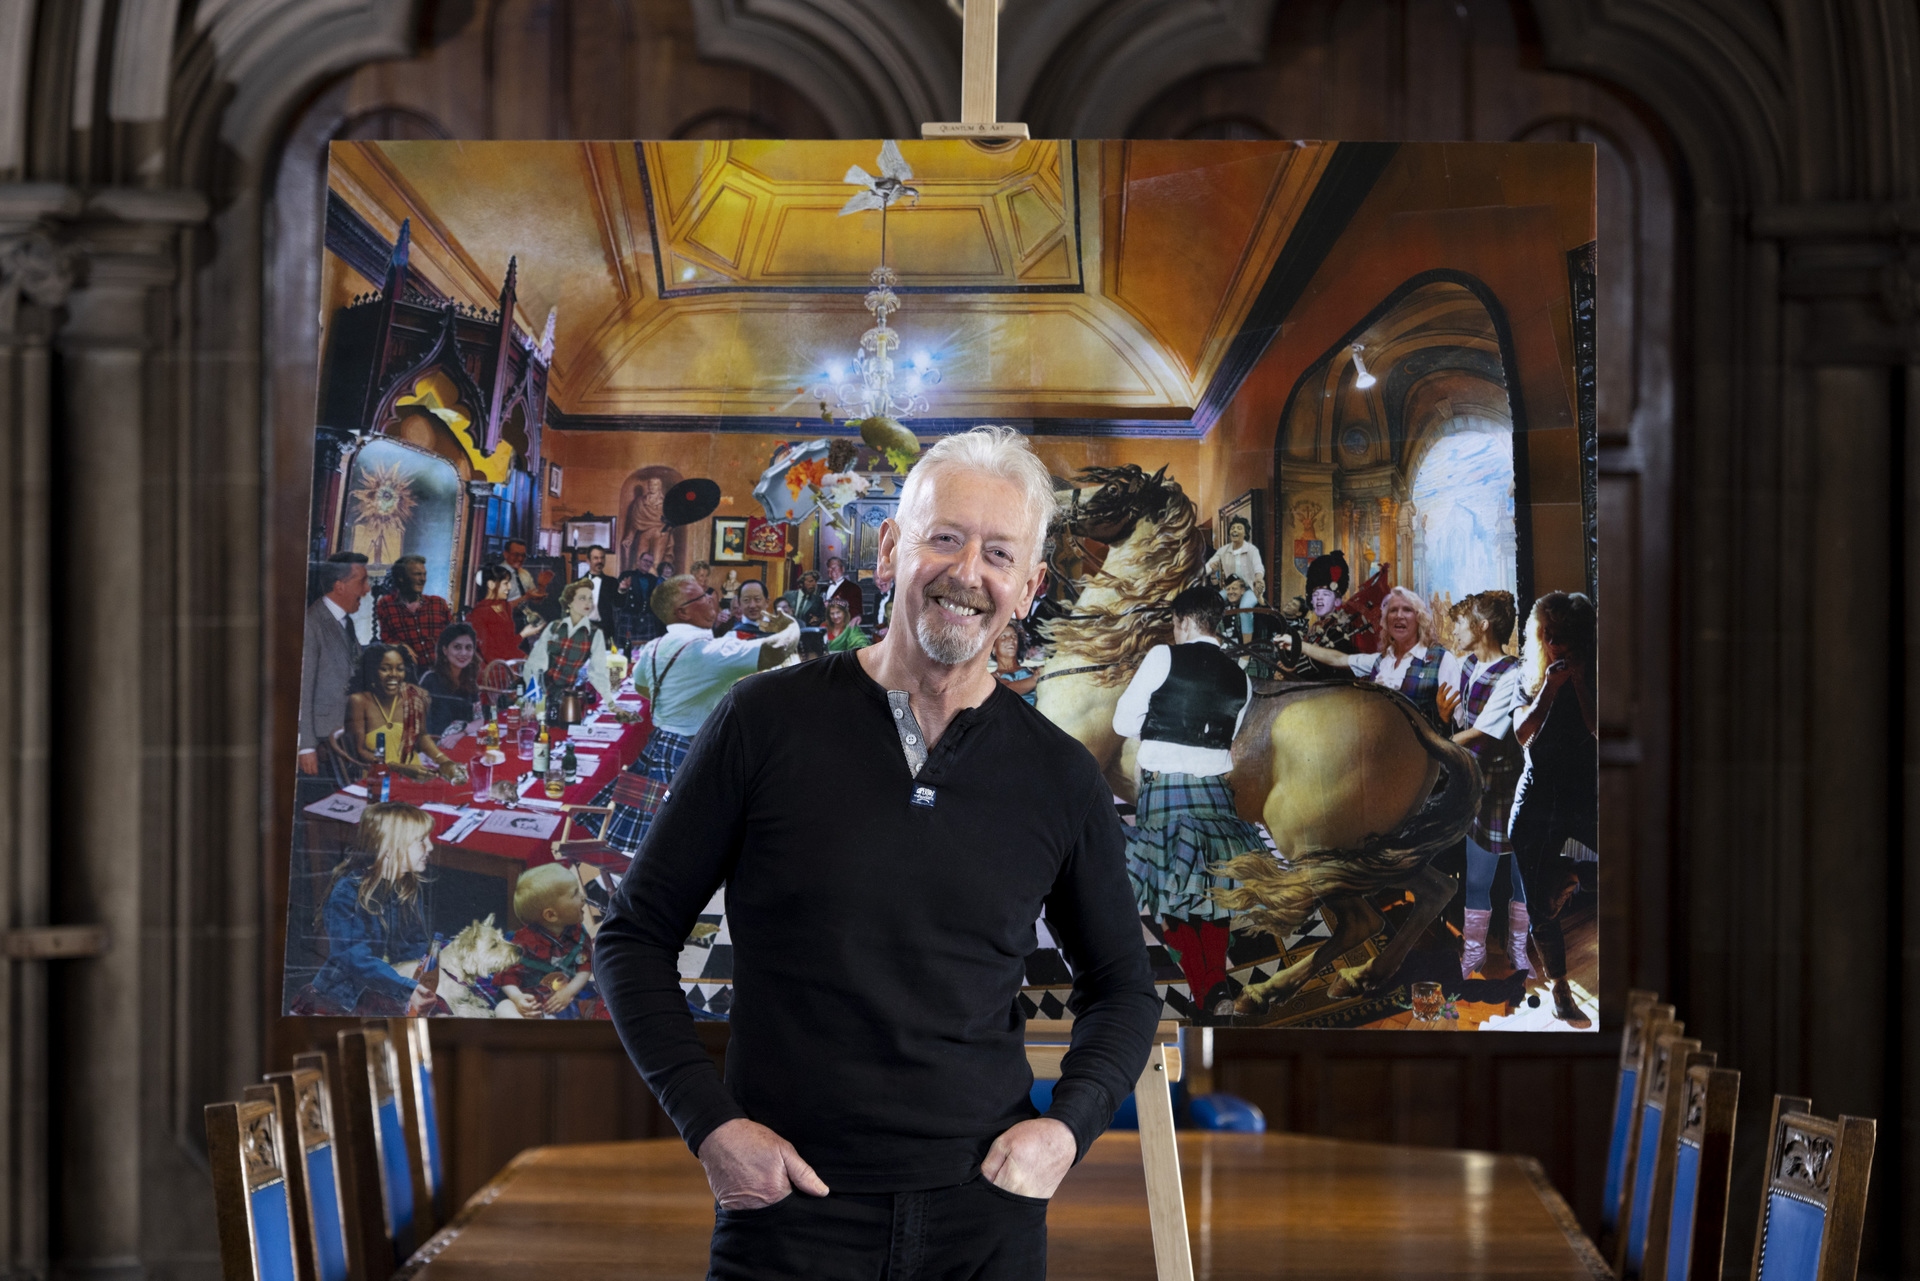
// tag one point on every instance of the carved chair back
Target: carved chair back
(375, 1134)
(313, 1174)
(1813, 1195)
(419, 1110)
(1652, 1177)
(1702, 1166)
(1626, 1102)
(252, 1210)
(1660, 1023)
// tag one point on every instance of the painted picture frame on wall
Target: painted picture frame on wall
(729, 540)
(1371, 352)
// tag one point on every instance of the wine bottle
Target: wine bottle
(541, 752)
(571, 763)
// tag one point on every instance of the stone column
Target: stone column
(113, 602)
(35, 275)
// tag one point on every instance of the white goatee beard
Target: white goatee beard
(950, 646)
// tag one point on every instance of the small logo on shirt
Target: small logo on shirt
(923, 797)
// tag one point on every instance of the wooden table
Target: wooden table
(1275, 1205)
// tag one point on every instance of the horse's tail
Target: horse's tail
(1273, 896)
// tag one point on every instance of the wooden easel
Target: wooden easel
(1047, 1039)
(979, 81)
(1159, 1153)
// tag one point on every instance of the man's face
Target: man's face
(1324, 601)
(1238, 533)
(516, 554)
(753, 601)
(351, 590)
(597, 560)
(809, 581)
(699, 609)
(965, 566)
(646, 562)
(836, 568)
(413, 578)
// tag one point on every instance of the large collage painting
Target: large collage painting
(1347, 387)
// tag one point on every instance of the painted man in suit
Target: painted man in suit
(331, 654)
(605, 589)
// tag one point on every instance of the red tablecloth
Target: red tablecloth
(614, 757)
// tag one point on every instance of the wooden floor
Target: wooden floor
(1257, 1206)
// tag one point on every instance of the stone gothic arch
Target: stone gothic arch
(133, 293)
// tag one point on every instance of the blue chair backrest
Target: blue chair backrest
(1617, 1148)
(395, 1178)
(329, 1223)
(253, 1210)
(1686, 1182)
(1227, 1112)
(430, 1117)
(1790, 1238)
(1647, 1158)
(272, 1232)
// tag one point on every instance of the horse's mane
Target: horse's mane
(1114, 637)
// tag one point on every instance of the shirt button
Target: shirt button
(911, 740)
(897, 713)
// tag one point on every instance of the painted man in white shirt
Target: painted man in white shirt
(1241, 559)
(684, 673)
(1184, 704)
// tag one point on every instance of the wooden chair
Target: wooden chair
(331, 1089)
(300, 1102)
(1653, 1159)
(1626, 1104)
(1702, 1167)
(419, 1109)
(1659, 1022)
(1812, 1197)
(384, 1217)
(1673, 1119)
(252, 1210)
(585, 843)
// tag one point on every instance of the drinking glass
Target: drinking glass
(529, 737)
(480, 774)
(1428, 1001)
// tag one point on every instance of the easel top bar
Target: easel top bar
(1060, 1031)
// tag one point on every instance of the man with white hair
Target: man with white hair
(875, 1118)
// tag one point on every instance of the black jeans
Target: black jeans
(971, 1232)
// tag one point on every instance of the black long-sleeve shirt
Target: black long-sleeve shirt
(879, 943)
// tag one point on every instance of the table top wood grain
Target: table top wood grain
(1274, 1205)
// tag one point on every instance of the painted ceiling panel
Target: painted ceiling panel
(1048, 279)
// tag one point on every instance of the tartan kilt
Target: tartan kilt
(1489, 830)
(1183, 824)
(639, 790)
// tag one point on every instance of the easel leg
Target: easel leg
(1160, 1154)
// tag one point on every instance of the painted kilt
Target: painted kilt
(634, 807)
(1182, 825)
(1499, 758)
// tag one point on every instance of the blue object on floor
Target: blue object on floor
(1126, 1118)
(1226, 1112)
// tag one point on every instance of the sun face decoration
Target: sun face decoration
(382, 503)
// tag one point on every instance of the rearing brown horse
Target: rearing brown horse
(1342, 774)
